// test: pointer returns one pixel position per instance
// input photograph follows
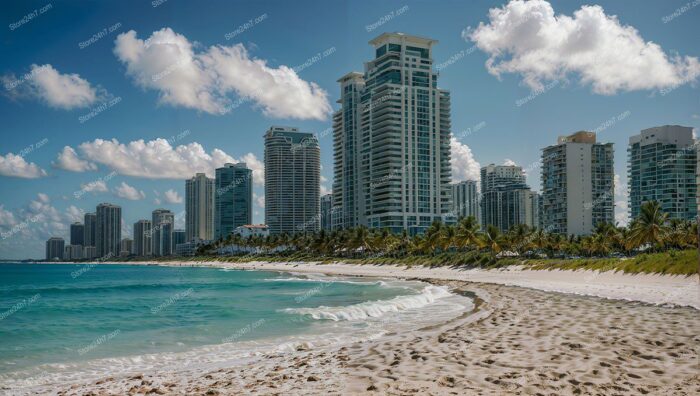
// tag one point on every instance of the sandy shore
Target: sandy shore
(519, 340)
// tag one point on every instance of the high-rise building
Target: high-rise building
(662, 162)
(89, 223)
(233, 198)
(505, 198)
(162, 232)
(55, 248)
(77, 234)
(465, 200)
(292, 181)
(108, 230)
(89, 252)
(179, 236)
(127, 247)
(199, 207)
(143, 238)
(327, 212)
(391, 140)
(577, 184)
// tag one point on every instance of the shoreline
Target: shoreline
(656, 289)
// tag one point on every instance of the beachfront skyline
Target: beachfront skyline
(493, 120)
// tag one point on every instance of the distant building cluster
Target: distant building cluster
(391, 147)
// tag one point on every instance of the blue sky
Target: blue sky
(41, 198)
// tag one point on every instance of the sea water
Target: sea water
(61, 323)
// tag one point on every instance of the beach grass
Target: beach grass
(672, 262)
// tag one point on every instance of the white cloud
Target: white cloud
(62, 91)
(68, 160)
(7, 218)
(75, 214)
(172, 197)
(157, 159)
(206, 80)
(96, 186)
(156, 201)
(509, 162)
(325, 190)
(526, 37)
(259, 200)
(15, 166)
(464, 166)
(128, 192)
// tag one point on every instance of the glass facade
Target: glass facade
(392, 140)
(233, 199)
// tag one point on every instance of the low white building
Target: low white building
(73, 252)
(89, 252)
(248, 230)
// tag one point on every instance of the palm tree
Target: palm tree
(492, 239)
(467, 234)
(650, 227)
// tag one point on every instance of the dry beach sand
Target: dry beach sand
(518, 340)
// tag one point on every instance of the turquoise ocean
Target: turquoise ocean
(61, 323)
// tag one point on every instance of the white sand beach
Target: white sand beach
(553, 334)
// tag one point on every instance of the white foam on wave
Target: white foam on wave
(375, 309)
(326, 280)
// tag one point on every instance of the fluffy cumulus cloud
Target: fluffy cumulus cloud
(217, 79)
(464, 166)
(526, 37)
(509, 162)
(259, 200)
(172, 197)
(16, 166)
(157, 159)
(129, 192)
(97, 186)
(61, 91)
(68, 160)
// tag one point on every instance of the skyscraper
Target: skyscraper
(55, 248)
(327, 212)
(292, 181)
(199, 208)
(127, 247)
(465, 200)
(505, 198)
(577, 184)
(162, 232)
(391, 140)
(233, 198)
(77, 234)
(143, 238)
(662, 162)
(108, 228)
(90, 231)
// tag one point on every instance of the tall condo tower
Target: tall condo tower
(163, 221)
(391, 140)
(577, 184)
(143, 238)
(199, 208)
(292, 181)
(108, 230)
(505, 198)
(662, 162)
(465, 200)
(77, 234)
(90, 223)
(233, 198)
